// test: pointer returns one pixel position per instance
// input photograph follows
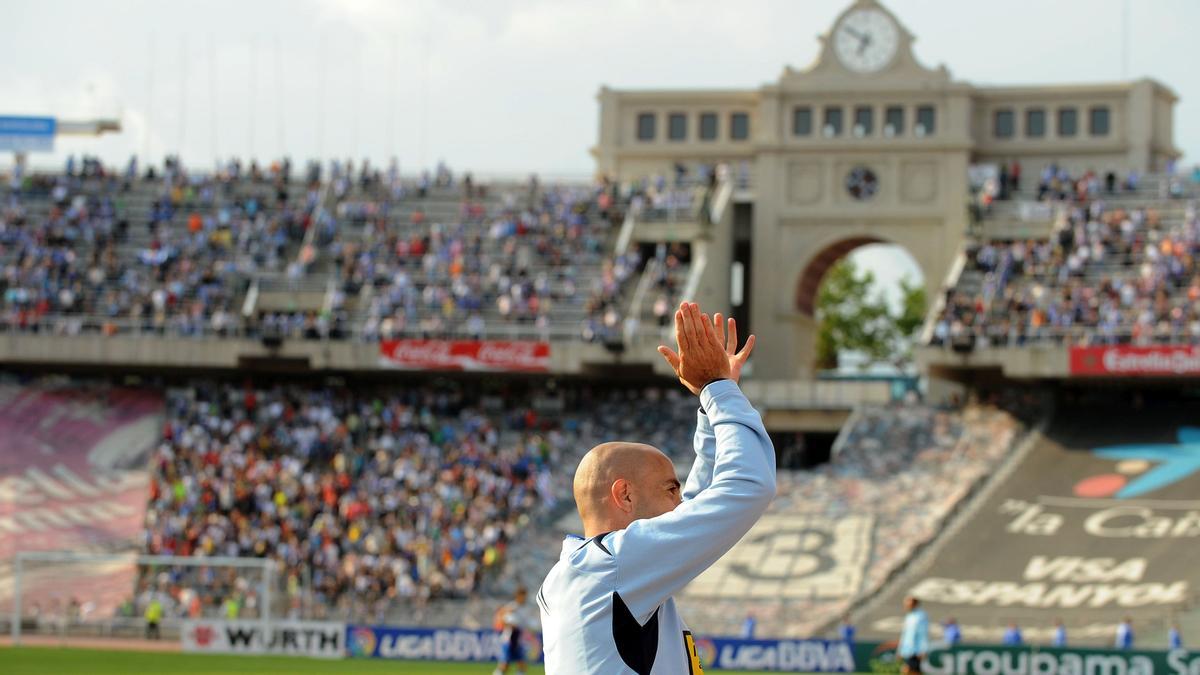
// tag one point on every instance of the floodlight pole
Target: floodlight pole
(268, 581)
(15, 628)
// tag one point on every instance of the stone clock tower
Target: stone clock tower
(867, 146)
(864, 145)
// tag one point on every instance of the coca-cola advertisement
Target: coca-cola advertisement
(487, 355)
(1127, 361)
(73, 478)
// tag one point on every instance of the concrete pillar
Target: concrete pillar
(1137, 127)
(609, 142)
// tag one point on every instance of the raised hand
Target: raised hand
(706, 349)
(729, 337)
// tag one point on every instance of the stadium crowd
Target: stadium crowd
(529, 264)
(376, 501)
(175, 252)
(96, 250)
(1106, 275)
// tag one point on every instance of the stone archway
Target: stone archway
(810, 279)
(799, 338)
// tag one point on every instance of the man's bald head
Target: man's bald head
(619, 482)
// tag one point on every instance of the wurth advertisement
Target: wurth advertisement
(297, 638)
(1124, 361)
(492, 355)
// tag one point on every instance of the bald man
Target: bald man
(607, 606)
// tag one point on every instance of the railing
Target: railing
(674, 205)
(71, 325)
(282, 283)
(720, 201)
(1089, 272)
(843, 435)
(935, 312)
(696, 272)
(79, 324)
(1020, 220)
(513, 332)
(1123, 334)
(639, 295)
(331, 290)
(788, 394)
(626, 233)
(251, 300)
(318, 213)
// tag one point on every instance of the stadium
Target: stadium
(289, 413)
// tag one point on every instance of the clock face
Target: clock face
(861, 183)
(866, 40)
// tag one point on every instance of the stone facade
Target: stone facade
(866, 113)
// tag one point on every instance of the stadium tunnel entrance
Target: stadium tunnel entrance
(798, 450)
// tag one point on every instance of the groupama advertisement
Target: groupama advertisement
(874, 657)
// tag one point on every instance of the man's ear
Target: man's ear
(622, 495)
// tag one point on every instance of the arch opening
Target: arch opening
(814, 273)
(876, 305)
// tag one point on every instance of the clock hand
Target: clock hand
(862, 46)
(853, 33)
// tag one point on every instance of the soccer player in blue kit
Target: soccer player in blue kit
(514, 620)
(607, 606)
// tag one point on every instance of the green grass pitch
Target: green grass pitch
(56, 661)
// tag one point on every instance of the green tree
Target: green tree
(909, 320)
(853, 316)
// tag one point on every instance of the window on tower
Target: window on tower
(833, 121)
(645, 127)
(864, 120)
(893, 121)
(802, 121)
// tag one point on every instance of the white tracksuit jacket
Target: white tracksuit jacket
(606, 604)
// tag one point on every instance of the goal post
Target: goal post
(34, 575)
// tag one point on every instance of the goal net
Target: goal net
(63, 596)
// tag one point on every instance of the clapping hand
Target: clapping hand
(707, 348)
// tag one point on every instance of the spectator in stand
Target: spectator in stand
(1174, 638)
(662, 311)
(1012, 636)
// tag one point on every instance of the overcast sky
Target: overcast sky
(507, 86)
(502, 85)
